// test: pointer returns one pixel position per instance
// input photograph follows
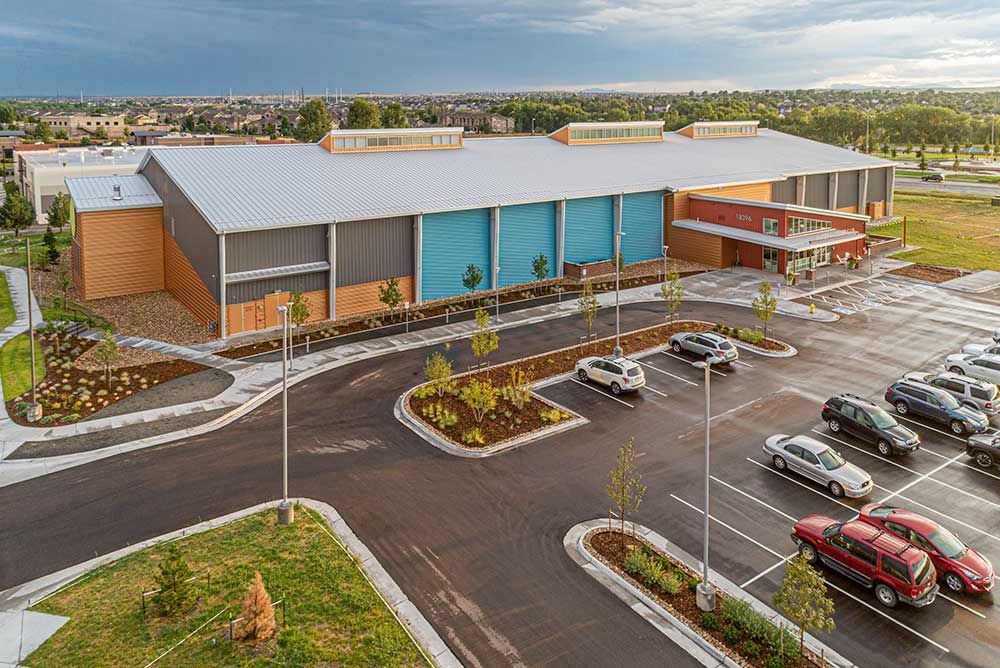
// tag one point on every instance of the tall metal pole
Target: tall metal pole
(618, 265)
(705, 592)
(285, 511)
(497, 291)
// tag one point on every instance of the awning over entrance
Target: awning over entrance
(800, 243)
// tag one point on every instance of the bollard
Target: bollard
(307, 344)
(812, 308)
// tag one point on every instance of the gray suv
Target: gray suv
(705, 344)
(977, 394)
(909, 396)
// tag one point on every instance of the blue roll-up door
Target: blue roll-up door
(642, 223)
(451, 242)
(525, 231)
(590, 229)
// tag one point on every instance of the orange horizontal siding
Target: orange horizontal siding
(363, 298)
(119, 252)
(184, 283)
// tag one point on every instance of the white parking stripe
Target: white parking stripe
(742, 363)
(655, 391)
(603, 394)
(943, 433)
(766, 571)
(924, 448)
(828, 583)
(936, 512)
(806, 487)
(667, 373)
(755, 499)
(961, 605)
(664, 352)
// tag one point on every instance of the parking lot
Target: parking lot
(754, 506)
(866, 295)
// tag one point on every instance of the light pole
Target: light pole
(291, 349)
(665, 267)
(618, 271)
(497, 291)
(705, 592)
(286, 512)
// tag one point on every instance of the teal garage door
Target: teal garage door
(525, 231)
(451, 242)
(590, 229)
(642, 223)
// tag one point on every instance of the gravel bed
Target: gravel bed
(197, 386)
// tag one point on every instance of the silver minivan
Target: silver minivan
(981, 395)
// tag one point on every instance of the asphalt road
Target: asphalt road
(477, 544)
(904, 183)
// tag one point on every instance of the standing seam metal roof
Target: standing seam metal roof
(239, 188)
(96, 193)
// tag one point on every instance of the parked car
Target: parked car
(979, 394)
(705, 344)
(936, 178)
(873, 557)
(984, 449)
(933, 403)
(959, 567)
(818, 461)
(863, 419)
(618, 373)
(985, 367)
(992, 348)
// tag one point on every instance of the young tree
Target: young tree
(314, 121)
(472, 277)
(437, 371)
(58, 213)
(393, 116)
(518, 390)
(922, 165)
(298, 312)
(625, 488)
(540, 267)
(484, 340)
(257, 624)
(363, 114)
(620, 261)
(108, 354)
(804, 599)
(480, 396)
(390, 295)
(588, 305)
(51, 247)
(16, 213)
(672, 293)
(171, 578)
(764, 304)
(64, 281)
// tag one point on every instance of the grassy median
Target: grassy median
(15, 366)
(952, 229)
(334, 617)
(7, 313)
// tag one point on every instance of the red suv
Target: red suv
(871, 556)
(958, 566)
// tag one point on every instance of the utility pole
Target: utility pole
(705, 592)
(286, 512)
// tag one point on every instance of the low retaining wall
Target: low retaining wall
(878, 244)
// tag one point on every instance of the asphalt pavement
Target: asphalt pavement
(973, 188)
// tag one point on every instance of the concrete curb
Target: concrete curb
(30, 593)
(791, 352)
(656, 615)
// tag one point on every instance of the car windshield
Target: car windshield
(725, 345)
(947, 543)
(882, 419)
(922, 570)
(830, 459)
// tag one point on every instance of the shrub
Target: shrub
(731, 634)
(172, 577)
(652, 571)
(750, 649)
(635, 561)
(473, 436)
(693, 583)
(775, 661)
(710, 621)
(669, 583)
(551, 415)
(439, 415)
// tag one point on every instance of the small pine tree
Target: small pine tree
(540, 267)
(764, 304)
(472, 277)
(804, 599)
(172, 576)
(624, 486)
(51, 247)
(257, 624)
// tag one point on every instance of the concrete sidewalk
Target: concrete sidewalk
(17, 283)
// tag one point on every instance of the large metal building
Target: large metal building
(230, 231)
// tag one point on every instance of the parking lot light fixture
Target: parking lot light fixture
(286, 513)
(705, 592)
(618, 271)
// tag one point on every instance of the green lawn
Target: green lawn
(7, 312)
(12, 250)
(965, 178)
(335, 618)
(15, 366)
(952, 229)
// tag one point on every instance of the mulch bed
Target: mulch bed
(506, 422)
(929, 272)
(69, 394)
(607, 545)
(771, 345)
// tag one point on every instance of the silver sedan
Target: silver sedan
(819, 462)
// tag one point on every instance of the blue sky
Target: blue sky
(207, 46)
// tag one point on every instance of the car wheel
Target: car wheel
(779, 462)
(984, 459)
(836, 489)
(883, 447)
(616, 389)
(834, 426)
(956, 369)
(954, 583)
(808, 553)
(901, 407)
(582, 375)
(886, 595)
(957, 427)
(676, 346)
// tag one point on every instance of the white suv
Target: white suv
(619, 373)
(983, 367)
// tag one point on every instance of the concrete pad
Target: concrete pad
(23, 631)
(980, 281)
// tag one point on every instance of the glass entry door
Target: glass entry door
(770, 259)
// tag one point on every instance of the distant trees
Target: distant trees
(393, 116)
(314, 121)
(363, 114)
(7, 113)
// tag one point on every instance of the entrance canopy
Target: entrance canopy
(799, 243)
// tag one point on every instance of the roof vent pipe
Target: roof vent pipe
(118, 193)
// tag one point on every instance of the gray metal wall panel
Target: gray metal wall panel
(237, 293)
(373, 250)
(847, 189)
(783, 191)
(876, 184)
(275, 248)
(818, 191)
(182, 221)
